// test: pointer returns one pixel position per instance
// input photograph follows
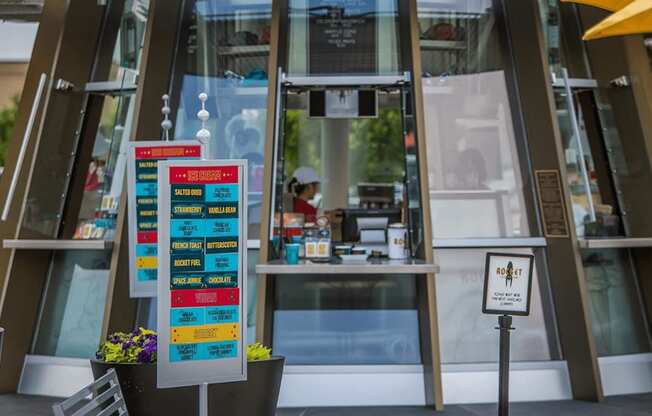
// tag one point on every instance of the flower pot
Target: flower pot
(257, 396)
(138, 384)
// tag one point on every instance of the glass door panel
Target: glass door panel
(593, 194)
(223, 51)
(467, 335)
(596, 166)
(106, 171)
(72, 315)
(478, 174)
(74, 299)
(474, 150)
(617, 318)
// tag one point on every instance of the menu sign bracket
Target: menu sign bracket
(202, 313)
(142, 180)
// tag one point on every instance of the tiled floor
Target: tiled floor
(636, 405)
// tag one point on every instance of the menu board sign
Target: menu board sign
(202, 257)
(142, 177)
(551, 202)
(343, 36)
(508, 284)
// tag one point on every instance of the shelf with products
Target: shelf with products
(243, 51)
(442, 45)
(449, 39)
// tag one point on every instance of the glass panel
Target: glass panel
(252, 279)
(106, 171)
(329, 37)
(364, 168)
(73, 309)
(55, 157)
(128, 47)
(96, 219)
(344, 320)
(472, 148)
(551, 19)
(615, 307)
(354, 151)
(595, 209)
(225, 54)
(469, 336)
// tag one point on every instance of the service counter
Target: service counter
(336, 266)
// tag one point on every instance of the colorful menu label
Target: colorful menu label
(143, 207)
(201, 320)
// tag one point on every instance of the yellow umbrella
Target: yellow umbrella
(632, 19)
(611, 5)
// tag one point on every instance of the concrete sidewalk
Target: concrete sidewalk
(635, 405)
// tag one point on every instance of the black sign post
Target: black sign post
(504, 325)
(507, 292)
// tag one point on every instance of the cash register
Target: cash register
(366, 226)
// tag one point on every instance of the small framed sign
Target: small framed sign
(508, 284)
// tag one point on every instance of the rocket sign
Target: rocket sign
(202, 261)
(508, 284)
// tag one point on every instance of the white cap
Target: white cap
(305, 175)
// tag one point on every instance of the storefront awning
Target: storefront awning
(635, 18)
(611, 5)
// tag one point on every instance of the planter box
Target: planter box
(258, 396)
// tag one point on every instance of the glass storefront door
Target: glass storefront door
(478, 176)
(73, 204)
(223, 50)
(72, 311)
(595, 166)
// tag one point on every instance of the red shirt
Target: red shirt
(303, 207)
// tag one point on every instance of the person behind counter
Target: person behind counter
(303, 187)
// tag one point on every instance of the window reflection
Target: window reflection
(328, 37)
(551, 19)
(105, 173)
(346, 320)
(346, 152)
(466, 334)
(614, 303)
(593, 187)
(224, 53)
(473, 158)
(72, 314)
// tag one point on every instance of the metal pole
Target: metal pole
(203, 399)
(505, 325)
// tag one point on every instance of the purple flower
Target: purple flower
(144, 357)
